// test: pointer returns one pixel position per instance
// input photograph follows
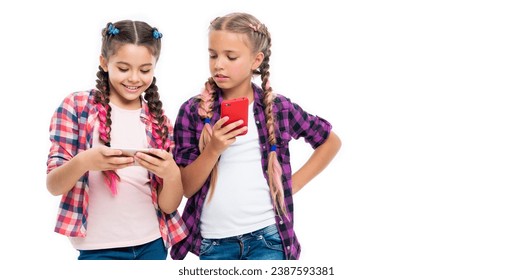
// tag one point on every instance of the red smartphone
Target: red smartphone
(236, 109)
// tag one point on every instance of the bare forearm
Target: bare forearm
(319, 159)
(63, 178)
(195, 174)
(171, 194)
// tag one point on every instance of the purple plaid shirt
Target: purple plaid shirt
(292, 122)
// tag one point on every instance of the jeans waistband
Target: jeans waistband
(266, 230)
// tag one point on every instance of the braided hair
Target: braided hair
(259, 39)
(115, 35)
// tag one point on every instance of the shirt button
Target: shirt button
(281, 222)
(288, 248)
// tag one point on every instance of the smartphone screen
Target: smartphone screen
(236, 109)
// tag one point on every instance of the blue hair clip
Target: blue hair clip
(273, 148)
(207, 120)
(156, 34)
(112, 30)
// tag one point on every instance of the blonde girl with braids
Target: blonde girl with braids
(115, 206)
(240, 188)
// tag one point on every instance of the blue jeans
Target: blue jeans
(263, 244)
(154, 250)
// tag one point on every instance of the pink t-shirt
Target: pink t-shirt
(128, 218)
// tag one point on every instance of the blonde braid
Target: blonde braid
(274, 170)
(206, 101)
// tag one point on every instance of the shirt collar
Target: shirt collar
(145, 112)
(258, 95)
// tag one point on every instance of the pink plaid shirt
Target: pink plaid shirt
(71, 131)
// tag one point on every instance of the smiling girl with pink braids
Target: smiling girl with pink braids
(240, 188)
(114, 206)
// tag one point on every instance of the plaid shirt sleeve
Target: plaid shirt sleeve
(314, 129)
(64, 136)
(67, 140)
(187, 133)
(175, 225)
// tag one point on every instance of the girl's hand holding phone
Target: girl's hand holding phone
(157, 161)
(223, 135)
(103, 158)
(233, 123)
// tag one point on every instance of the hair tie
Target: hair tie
(156, 34)
(112, 30)
(255, 28)
(207, 120)
(273, 148)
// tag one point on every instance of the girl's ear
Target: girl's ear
(103, 63)
(258, 60)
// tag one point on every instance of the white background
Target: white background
(420, 92)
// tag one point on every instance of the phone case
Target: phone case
(236, 109)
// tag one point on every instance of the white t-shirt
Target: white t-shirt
(128, 218)
(241, 202)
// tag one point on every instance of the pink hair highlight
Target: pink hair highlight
(158, 139)
(205, 106)
(274, 169)
(205, 112)
(110, 177)
(160, 144)
(274, 172)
